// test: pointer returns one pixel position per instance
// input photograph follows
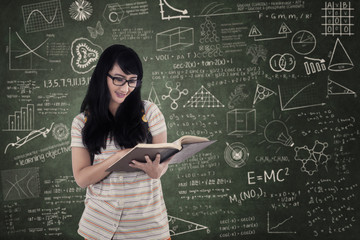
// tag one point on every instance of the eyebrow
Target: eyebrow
(120, 75)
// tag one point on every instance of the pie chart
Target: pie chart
(303, 42)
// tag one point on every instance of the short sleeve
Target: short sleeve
(155, 118)
(76, 130)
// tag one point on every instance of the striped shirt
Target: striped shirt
(124, 205)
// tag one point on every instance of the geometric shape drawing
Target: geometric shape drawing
(312, 158)
(95, 31)
(282, 62)
(153, 97)
(22, 57)
(80, 10)
(284, 30)
(241, 121)
(334, 88)
(340, 60)
(203, 98)
(299, 95)
(262, 93)
(236, 154)
(42, 16)
(22, 120)
(277, 132)
(303, 42)
(113, 13)
(175, 39)
(84, 55)
(33, 134)
(180, 226)
(174, 94)
(337, 19)
(281, 227)
(168, 17)
(20, 184)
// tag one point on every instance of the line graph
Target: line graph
(179, 13)
(281, 227)
(20, 183)
(42, 16)
(299, 95)
(33, 12)
(23, 57)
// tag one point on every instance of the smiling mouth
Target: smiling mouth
(120, 95)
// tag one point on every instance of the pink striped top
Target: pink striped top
(124, 205)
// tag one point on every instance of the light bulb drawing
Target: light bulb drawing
(277, 132)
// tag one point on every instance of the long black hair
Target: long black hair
(126, 128)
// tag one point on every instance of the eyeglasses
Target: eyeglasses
(120, 81)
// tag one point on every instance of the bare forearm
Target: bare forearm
(92, 174)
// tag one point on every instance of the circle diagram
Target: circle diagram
(236, 154)
(303, 42)
(282, 62)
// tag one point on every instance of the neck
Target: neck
(113, 108)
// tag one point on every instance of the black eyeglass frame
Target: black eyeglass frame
(138, 82)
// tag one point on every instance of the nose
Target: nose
(125, 87)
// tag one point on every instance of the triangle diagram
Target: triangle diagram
(179, 226)
(262, 93)
(254, 32)
(340, 60)
(203, 98)
(284, 29)
(153, 97)
(335, 88)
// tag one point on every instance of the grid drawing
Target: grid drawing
(42, 16)
(338, 19)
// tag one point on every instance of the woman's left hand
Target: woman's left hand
(153, 169)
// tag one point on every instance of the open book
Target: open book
(180, 150)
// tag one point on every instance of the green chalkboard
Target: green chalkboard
(276, 83)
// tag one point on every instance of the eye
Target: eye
(119, 79)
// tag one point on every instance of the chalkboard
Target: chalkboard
(276, 83)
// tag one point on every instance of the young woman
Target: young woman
(113, 119)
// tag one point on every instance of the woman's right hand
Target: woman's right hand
(84, 172)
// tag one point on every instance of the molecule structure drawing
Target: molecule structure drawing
(313, 157)
(174, 94)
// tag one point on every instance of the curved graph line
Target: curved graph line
(33, 134)
(298, 94)
(16, 186)
(221, 9)
(207, 7)
(175, 9)
(13, 186)
(214, 7)
(17, 183)
(31, 51)
(36, 10)
(28, 188)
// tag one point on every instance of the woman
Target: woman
(113, 119)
